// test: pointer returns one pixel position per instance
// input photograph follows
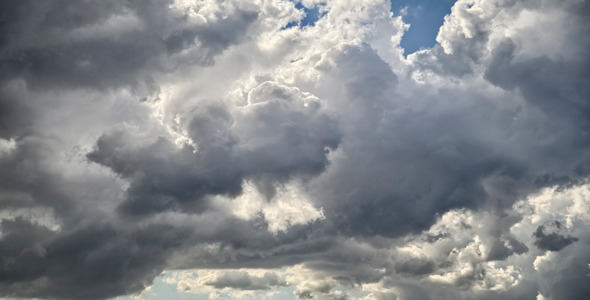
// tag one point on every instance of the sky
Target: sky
(425, 17)
(285, 150)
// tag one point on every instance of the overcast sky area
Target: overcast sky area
(289, 150)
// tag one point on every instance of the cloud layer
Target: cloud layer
(216, 137)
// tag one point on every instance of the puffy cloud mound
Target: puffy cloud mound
(216, 145)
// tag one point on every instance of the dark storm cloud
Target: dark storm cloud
(572, 280)
(503, 248)
(559, 88)
(15, 115)
(26, 181)
(401, 165)
(61, 44)
(552, 241)
(22, 251)
(216, 37)
(90, 262)
(160, 176)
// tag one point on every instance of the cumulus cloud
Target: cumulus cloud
(236, 284)
(216, 145)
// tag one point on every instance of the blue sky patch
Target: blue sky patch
(425, 18)
(311, 16)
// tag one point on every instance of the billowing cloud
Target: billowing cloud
(217, 145)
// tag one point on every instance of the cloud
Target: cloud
(552, 241)
(41, 263)
(237, 284)
(279, 134)
(62, 44)
(243, 281)
(141, 137)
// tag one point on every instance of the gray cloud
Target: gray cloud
(245, 281)
(65, 44)
(278, 136)
(40, 263)
(552, 241)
